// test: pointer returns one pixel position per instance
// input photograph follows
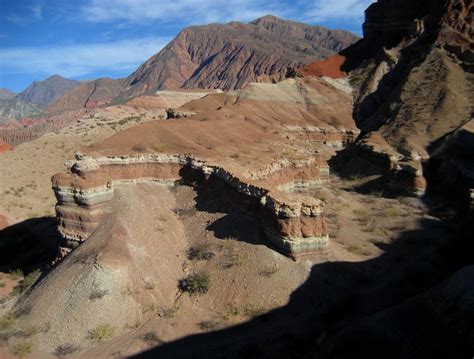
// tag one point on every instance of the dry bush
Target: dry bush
(196, 283)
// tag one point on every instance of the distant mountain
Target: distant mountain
(15, 109)
(232, 55)
(89, 94)
(47, 91)
(6, 94)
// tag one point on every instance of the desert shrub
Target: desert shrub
(6, 321)
(210, 325)
(149, 284)
(358, 250)
(200, 252)
(253, 310)
(22, 349)
(196, 283)
(139, 148)
(231, 256)
(2, 285)
(151, 339)
(269, 271)
(27, 282)
(170, 114)
(98, 293)
(65, 349)
(101, 333)
(16, 274)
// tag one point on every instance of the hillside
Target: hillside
(34, 98)
(6, 94)
(89, 94)
(231, 55)
(47, 91)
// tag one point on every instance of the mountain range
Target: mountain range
(215, 56)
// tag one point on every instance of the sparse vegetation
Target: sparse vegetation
(269, 271)
(231, 257)
(65, 349)
(200, 252)
(196, 283)
(253, 310)
(22, 349)
(7, 321)
(149, 284)
(27, 282)
(358, 250)
(101, 333)
(16, 274)
(140, 148)
(210, 325)
(151, 339)
(98, 293)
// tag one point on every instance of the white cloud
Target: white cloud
(195, 11)
(80, 59)
(324, 10)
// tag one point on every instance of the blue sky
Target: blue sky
(111, 38)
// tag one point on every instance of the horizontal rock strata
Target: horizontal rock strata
(292, 224)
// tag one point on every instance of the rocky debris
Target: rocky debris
(294, 226)
(230, 56)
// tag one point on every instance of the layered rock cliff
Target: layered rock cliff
(293, 226)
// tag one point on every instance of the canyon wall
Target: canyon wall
(293, 224)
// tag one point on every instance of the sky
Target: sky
(88, 39)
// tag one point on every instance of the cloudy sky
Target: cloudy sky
(98, 38)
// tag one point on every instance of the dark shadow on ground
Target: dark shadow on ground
(339, 296)
(29, 245)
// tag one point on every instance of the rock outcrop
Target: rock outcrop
(412, 78)
(230, 56)
(295, 227)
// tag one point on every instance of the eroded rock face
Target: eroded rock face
(294, 226)
(412, 79)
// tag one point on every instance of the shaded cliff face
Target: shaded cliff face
(231, 55)
(412, 77)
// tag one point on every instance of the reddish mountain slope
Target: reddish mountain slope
(232, 55)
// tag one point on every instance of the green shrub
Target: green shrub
(101, 333)
(196, 283)
(22, 349)
(27, 282)
(6, 321)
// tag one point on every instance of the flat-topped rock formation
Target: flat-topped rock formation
(282, 134)
(293, 225)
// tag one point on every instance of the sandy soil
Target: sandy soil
(25, 178)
